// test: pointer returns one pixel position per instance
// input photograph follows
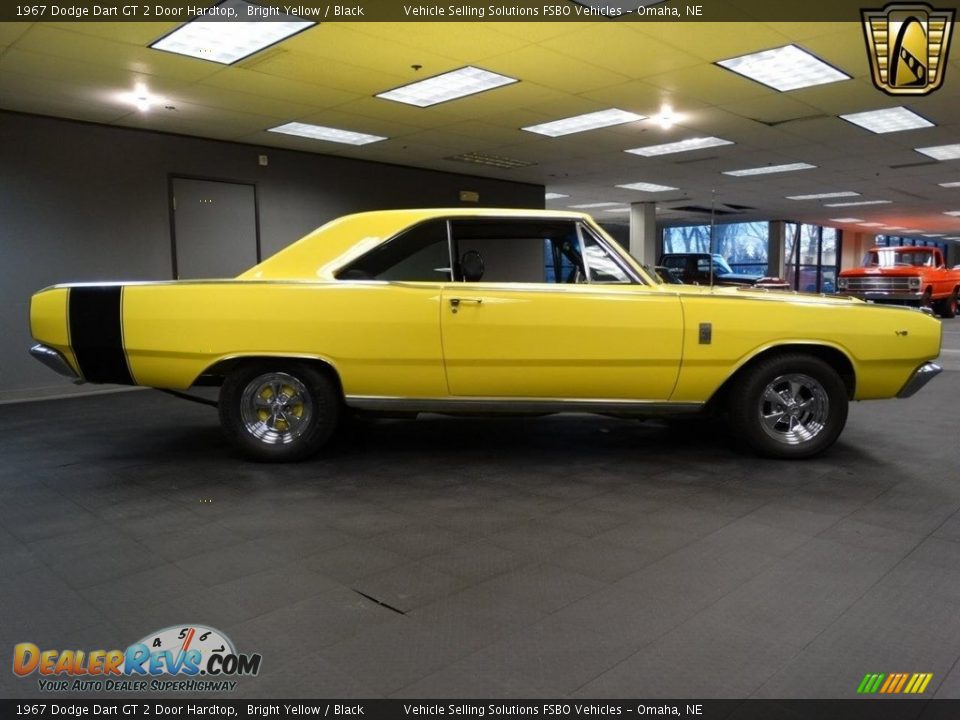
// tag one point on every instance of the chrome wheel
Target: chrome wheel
(794, 409)
(276, 408)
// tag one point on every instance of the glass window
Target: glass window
(601, 265)
(421, 254)
(743, 245)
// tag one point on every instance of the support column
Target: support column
(643, 232)
(776, 242)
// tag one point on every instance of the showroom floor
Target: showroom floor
(576, 556)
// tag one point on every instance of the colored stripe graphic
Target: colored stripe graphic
(894, 683)
(96, 333)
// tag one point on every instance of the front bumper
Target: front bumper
(880, 296)
(55, 361)
(921, 376)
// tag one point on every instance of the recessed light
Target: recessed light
(889, 120)
(680, 146)
(893, 227)
(784, 68)
(618, 210)
(769, 169)
(952, 237)
(319, 132)
(866, 224)
(954, 213)
(587, 206)
(646, 187)
(846, 220)
(824, 196)
(933, 234)
(582, 123)
(141, 98)
(941, 152)
(451, 85)
(949, 184)
(554, 196)
(482, 158)
(911, 232)
(226, 41)
(860, 202)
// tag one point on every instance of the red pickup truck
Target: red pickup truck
(906, 276)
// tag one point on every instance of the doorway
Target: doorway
(214, 227)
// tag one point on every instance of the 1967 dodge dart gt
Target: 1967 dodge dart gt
(483, 311)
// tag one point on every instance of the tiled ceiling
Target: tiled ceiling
(329, 75)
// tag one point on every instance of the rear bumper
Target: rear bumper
(921, 376)
(55, 361)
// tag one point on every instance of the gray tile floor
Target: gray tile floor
(574, 556)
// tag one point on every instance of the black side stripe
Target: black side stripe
(97, 335)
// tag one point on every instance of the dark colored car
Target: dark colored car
(696, 269)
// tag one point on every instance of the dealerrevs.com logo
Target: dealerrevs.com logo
(180, 658)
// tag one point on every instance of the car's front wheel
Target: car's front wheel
(788, 406)
(279, 411)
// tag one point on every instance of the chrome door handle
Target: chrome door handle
(455, 302)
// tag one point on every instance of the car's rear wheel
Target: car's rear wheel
(279, 411)
(788, 406)
(947, 308)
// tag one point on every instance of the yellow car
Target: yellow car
(465, 311)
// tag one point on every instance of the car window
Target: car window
(519, 251)
(602, 267)
(421, 254)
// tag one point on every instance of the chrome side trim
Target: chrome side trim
(518, 405)
(921, 376)
(55, 361)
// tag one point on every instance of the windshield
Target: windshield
(720, 266)
(899, 257)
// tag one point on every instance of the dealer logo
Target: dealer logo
(907, 44)
(198, 657)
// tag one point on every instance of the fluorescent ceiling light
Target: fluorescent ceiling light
(889, 120)
(455, 84)
(952, 237)
(498, 161)
(846, 220)
(954, 213)
(769, 169)
(893, 227)
(554, 196)
(618, 210)
(933, 234)
(587, 206)
(784, 68)
(646, 187)
(680, 146)
(319, 132)
(227, 41)
(824, 196)
(582, 123)
(949, 184)
(861, 202)
(941, 152)
(866, 224)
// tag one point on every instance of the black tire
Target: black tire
(926, 300)
(947, 308)
(810, 417)
(279, 411)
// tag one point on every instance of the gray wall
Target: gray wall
(82, 202)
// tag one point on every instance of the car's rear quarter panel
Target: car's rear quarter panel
(380, 339)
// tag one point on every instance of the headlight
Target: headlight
(841, 283)
(914, 283)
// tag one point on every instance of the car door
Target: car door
(555, 315)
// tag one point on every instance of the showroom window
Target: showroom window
(811, 254)
(744, 245)
(894, 241)
(421, 254)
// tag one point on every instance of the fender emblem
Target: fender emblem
(902, 333)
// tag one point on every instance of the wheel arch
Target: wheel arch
(215, 373)
(832, 355)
